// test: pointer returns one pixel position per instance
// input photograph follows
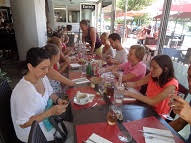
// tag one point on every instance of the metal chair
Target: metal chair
(6, 125)
(36, 135)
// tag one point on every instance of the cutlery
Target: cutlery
(158, 134)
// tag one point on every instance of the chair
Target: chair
(187, 59)
(36, 135)
(172, 52)
(6, 125)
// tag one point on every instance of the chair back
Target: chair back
(36, 135)
(187, 58)
(6, 125)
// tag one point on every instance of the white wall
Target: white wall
(29, 23)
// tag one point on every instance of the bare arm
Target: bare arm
(154, 100)
(55, 110)
(83, 37)
(128, 77)
(93, 38)
(178, 124)
(138, 83)
(63, 67)
(55, 75)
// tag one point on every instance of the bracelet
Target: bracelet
(57, 100)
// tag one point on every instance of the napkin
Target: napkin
(81, 80)
(94, 138)
(129, 99)
(75, 65)
(153, 138)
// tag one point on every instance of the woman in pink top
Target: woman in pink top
(161, 82)
(134, 69)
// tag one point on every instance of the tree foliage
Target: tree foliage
(134, 4)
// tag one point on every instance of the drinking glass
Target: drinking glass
(118, 96)
(111, 116)
(167, 116)
(101, 88)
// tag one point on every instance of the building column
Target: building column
(113, 16)
(29, 21)
(50, 13)
(164, 24)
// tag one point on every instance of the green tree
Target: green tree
(134, 4)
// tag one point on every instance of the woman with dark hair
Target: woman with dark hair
(89, 35)
(161, 82)
(31, 94)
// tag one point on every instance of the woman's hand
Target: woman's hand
(181, 107)
(129, 84)
(60, 101)
(58, 109)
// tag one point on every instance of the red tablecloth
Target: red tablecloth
(75, 75)
(85, 89)
(151, 122)
(102, 129)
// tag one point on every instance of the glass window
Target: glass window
(60, 15)
(74, 16)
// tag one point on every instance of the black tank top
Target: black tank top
(88, 39)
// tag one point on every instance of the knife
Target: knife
(124, 130)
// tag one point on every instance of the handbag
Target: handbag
(62, 130)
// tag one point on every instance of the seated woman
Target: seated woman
(107, 50)
(161, 82)
(134, 69)
(54, 54)
(64, 59)
(29, 97)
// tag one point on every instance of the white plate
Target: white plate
(81, 80)
(75, 65)
(90, 99)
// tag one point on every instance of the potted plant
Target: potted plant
(4, 77)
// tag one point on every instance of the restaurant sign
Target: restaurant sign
(86, 6)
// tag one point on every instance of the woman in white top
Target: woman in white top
(29, 97)
(107, 50)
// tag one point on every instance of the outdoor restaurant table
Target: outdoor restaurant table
(90, 119)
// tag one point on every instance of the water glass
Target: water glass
(118, 96)
(84, 68)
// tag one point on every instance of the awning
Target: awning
(182, 15)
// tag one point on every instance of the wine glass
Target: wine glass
(167, 116)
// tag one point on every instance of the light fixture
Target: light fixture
(60, 8)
